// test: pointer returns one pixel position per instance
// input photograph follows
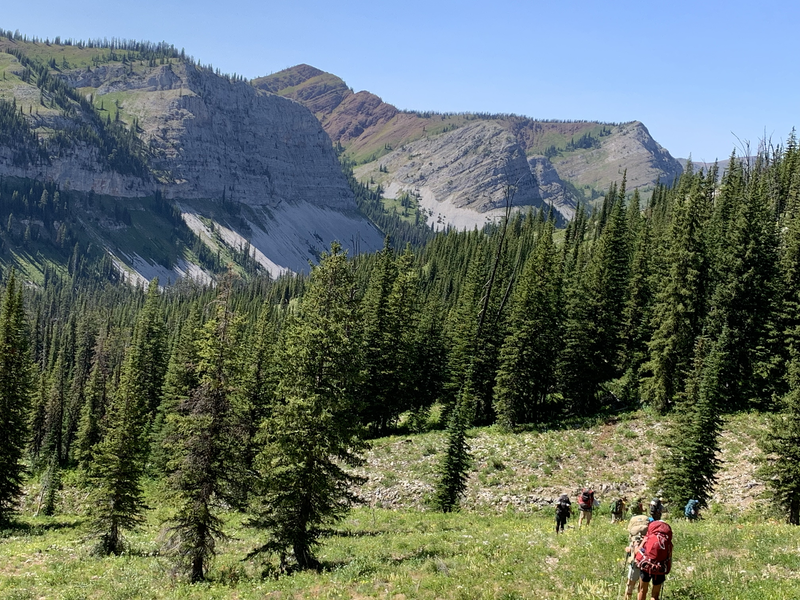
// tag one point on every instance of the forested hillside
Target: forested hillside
(262, 395)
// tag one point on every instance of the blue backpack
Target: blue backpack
(692, 509)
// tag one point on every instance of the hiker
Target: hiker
(618, 509)
(656, 509)
(653, 556)
(637, 528)
(692, 510)
(563, 512)
(636, 507)
(585, 506)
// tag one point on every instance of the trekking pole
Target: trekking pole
(624, 575)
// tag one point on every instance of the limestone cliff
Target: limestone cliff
(587, 154)
(462, 177)
(207, 140)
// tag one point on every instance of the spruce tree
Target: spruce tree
(527, 359)
(688, 465)
(311, 437)
(680, 305)
(379, 344)
(452, 473)
(119, 460)
(98, 389)
(780, 468)
(593, 324)
(205, 445)
(745, 286)
(15, 387)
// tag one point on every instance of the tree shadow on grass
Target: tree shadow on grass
(22, 528)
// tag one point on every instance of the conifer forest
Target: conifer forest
(262, 395)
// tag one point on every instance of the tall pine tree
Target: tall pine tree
(15, 387)
(311, 437)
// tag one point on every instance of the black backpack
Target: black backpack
(563, 506)
(616, 506)
(586, 499)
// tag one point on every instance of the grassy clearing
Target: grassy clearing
(502, 546)
(412, 554)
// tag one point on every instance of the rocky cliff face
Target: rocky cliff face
(208, 139)
(462, 178)
(372, 131)
(630, 149)
(550, 186)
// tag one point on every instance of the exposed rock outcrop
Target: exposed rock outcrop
(630, 149)
(208, 139)
(462, 177)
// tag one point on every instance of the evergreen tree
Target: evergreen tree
(780, 468)
(688, 465)
(179, 381)
(379, 344)
(527, 358)
(593, 324)
(452, 481)
(97, 393)
(205, 443)
(636, 314)
(680, 305)
(15, 387)
(310, 437)
(119, 460)
(428, 370)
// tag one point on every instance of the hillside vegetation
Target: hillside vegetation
(501, 546)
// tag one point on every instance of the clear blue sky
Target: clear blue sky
(699, 75)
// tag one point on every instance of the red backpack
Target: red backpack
(586, 499)
(655, 555)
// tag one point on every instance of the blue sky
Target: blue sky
(704, 77)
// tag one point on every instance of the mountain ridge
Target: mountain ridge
(230, 156)
(585, 157)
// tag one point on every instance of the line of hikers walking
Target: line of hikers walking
(648, 557)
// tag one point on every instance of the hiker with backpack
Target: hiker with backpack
(585, 506)
(563, 512)
(636, 507)
(653, 556)
(637, 528)
(692, 510)
(656, 509)
(618, 509)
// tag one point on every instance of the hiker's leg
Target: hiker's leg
(588, 516)
(642, 591)
(629, 588)
(580, 518)
(658, 581)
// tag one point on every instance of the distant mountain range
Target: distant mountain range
(126, 130)
(459, 166)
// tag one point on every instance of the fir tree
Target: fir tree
(379, 344)
(15, 387)
(204, 444)
(680, 303)
(527, 358)
(119, 460)
(452, 481)
(780, 468)
(179, 381)
(688, 466)
(310, 437)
